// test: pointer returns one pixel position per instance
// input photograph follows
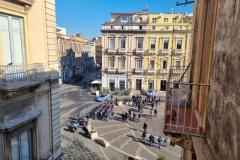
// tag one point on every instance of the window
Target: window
(117, 19)
(174, 20)
(122, 43)
(112, 43)
(165, 19)
(140, 43)
(153, 43)
(111, 62)
(21, 146)
(165, 43)
(140, 27)
(130, 19)
(122, 63)
(11, 32)
(179, 27)
(177, 64)
(154, 20)
(139, 63)
(179, 44)
(151, 64)
(124, 18)
(153, 27)
(123, 27)
(166, 28)
(122, 84)
(112, 27)
(164, 64)
(140, 19)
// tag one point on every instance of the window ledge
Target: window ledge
(27, 2)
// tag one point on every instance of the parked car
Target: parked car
(103, 98)
(150, 92)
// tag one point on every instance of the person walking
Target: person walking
(159, 100)
(134, 116)
(138, 107)
(155, 112)
(85, 84)
(151, 114)
(79, 115)
(165, 140)
(152, 105)
(144, 136)
(111, 96)
(130, 113)
(139, 116)
(145, 126)
(159, 142)
(126, 117)
(116, 100)
(156, 102)
(88, 117)
(123, 116)
(151, 139)
(112, 115)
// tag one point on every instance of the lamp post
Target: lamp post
(184, 3)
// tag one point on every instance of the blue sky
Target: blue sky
(87, 16)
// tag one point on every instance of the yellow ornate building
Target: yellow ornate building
(167, 44)
(139, 48)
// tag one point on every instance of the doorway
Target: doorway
(163, 85)
(112, 85)
(138, 84)
(151, 84)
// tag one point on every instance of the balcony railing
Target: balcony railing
(178, 52)
(111, 50)
(138, 70)
(111, 69)
(122, 70)
(163, 53)
(152, 51)
(122, 23)
(162, 71)
(167, 51)
(140, 50)
(180, 114)
(19, 76)
(151, 70)
(122, 50)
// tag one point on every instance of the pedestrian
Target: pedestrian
(159, 101)
(123, 116)
(139, 116)
(156, 101)
(112, 115)
(85, 84)
(116, 101)
(165, 140)
(111, 96)
(151, 139)
(144, 136)
(159, 142)
(130, 113)
(151, 114)
(95, 115)
(79, 115)
(88, 117)
(155, 112)
(134, 116)
(152, 105)
(145, 126)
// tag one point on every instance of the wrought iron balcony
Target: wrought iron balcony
(152, 51)
(20, 76)
(177, 52)
(163, 53)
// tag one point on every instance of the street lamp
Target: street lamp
(185, 3)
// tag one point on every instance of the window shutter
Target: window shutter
(5, 39)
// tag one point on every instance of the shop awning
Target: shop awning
(96, 81)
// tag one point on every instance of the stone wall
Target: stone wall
(223, 119)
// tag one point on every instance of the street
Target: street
(124, 138)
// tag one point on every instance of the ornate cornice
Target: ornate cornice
(26, 2)
(146, 31)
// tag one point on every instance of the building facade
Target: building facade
(207, 117)
(88, 54)
(139, 48)
(29, 88)
(70, 56)
(98, 49)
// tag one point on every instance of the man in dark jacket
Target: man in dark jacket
(134, 116)
(144, 136)
(145, 127)
(151, 139)
(123, 116)
(152, 105)
(130, 113)
(155, 112)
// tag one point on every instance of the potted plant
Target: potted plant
(103, 142)
(119, 102)
(93, 133)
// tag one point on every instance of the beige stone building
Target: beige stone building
(29, 88)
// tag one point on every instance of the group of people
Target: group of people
(151, 137)
(83, 120)
(106, 110)
(126, 116)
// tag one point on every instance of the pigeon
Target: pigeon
(9, 64)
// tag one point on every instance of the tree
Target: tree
(160, 157)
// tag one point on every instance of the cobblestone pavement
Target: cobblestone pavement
(125, 139)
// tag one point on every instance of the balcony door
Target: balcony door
(138, 84)
(11, 40)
